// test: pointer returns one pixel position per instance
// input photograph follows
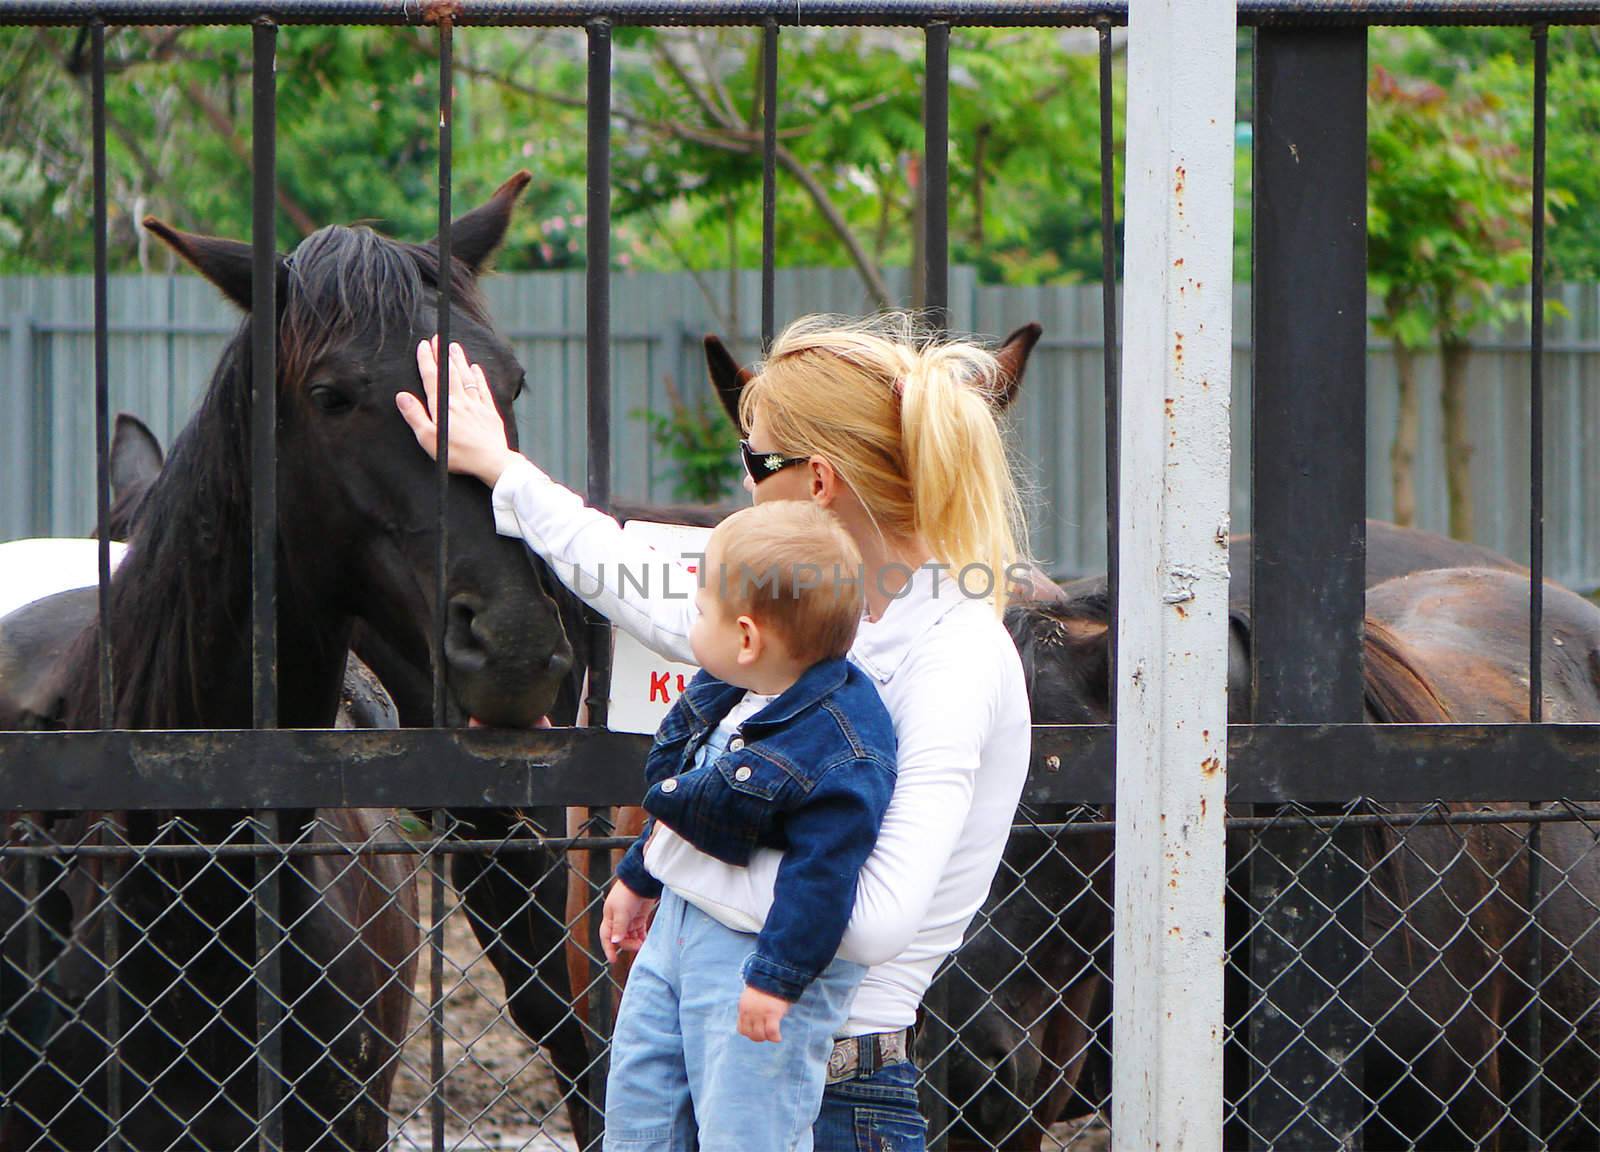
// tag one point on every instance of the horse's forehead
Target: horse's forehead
(473, 330)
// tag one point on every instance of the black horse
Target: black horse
(356, 538)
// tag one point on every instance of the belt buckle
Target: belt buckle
(892, 1048)
(844, 1059)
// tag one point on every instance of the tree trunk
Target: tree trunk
(1403, 452)
(1457, 445)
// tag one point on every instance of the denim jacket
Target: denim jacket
(811, 774)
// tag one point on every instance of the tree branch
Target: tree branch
(730, 113)
(737, 140)
(563, 100)
(712, 112)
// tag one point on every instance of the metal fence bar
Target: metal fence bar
(111, 942)
(936, 302)
(936, 175)
(1534, 1103)
(769, 182)
(263, 568)
(597, 278)
(102, 374)
(888, 13)
(1308, 589)
(478, 768)
(1109, 342)
(440, 828)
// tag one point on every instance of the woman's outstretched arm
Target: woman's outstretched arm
(641, 590)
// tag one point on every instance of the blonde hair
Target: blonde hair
(909, 423)
(791, 566)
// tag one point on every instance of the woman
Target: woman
(897, 436)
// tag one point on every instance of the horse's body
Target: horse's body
(1038, 1052)
(355, 537)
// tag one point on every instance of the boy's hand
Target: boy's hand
(625, 920)
(759, 1013)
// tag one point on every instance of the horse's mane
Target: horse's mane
(180, 598)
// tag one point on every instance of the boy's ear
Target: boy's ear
(750, 640)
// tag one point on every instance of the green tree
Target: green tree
(698, 438)
(357, 139)
(1448, 223)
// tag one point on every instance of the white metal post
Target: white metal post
(1173, 564)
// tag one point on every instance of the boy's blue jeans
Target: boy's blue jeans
(681, 1075)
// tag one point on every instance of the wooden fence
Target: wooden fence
(167, 331)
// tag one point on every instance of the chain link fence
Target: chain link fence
(140, 1009)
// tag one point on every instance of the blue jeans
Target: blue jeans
(681, 1075)
(876, 1112)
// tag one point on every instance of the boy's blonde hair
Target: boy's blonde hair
(908, 422)
(790, 566)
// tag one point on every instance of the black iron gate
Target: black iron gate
(1017, 1040)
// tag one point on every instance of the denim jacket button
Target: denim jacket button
(669, 785)
(742, 774)
(734, 745)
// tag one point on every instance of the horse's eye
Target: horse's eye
(522, 383)
(330, 399)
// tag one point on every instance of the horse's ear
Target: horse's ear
(136, 456)
(475, 236)
(226, 263)
(1013, 357)
(726, 377)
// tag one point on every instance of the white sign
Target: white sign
(645, 685)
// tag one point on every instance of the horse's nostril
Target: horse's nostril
(464, 648)
(464, 610)
(560, 663)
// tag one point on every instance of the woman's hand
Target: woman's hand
(477, 434)
(626, 918)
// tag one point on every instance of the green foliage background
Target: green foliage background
(357, 140)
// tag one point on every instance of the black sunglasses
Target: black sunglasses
(760, 465)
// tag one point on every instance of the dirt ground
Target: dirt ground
(500, 1092)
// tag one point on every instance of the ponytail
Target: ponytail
(966, 502)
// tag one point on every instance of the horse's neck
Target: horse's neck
(181, 608)
(199, 674)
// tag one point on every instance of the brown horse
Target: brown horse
(1027, 1041)
(356, 537)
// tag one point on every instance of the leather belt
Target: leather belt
(864, 1055)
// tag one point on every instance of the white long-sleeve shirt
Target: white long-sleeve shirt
(952, 682)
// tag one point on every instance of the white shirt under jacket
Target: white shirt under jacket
(953, 684)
